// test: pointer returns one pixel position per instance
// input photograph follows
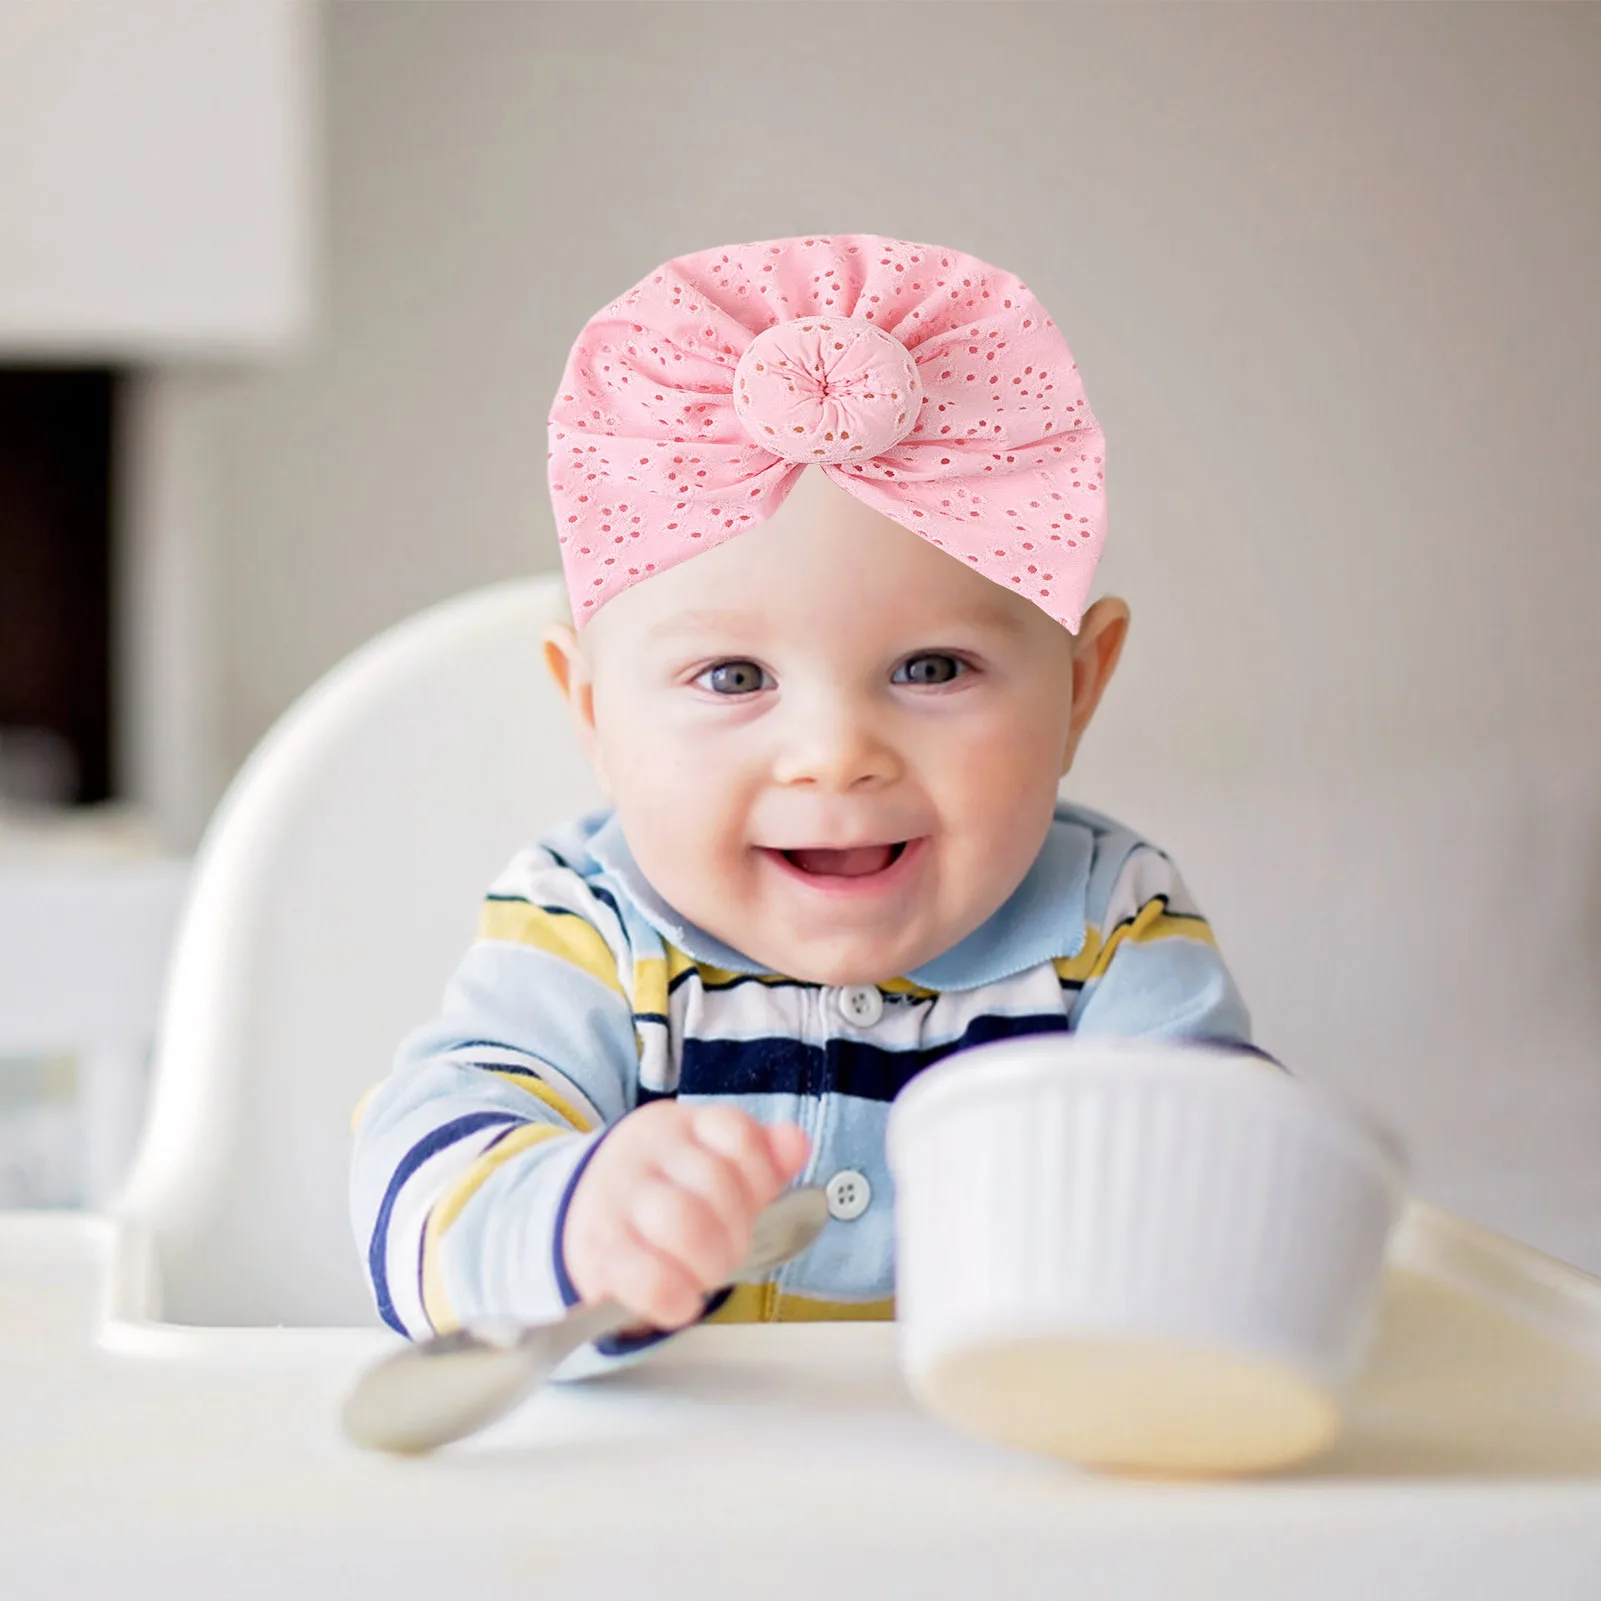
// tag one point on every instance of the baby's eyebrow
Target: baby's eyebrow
(700, 622)
(1001, 618)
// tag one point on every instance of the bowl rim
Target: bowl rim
(1020, 1063)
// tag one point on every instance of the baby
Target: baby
(830, 709)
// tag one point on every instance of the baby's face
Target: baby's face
(830, 744)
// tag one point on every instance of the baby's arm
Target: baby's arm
(1153, 967)
(488, 1151)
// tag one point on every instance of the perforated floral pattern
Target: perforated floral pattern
(974, 429)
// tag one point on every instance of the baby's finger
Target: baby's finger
(655, 1287)
(681, 1225)
(743, 1141)
(789, 1146)
(719, 1183)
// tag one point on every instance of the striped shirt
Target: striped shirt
(586, 995)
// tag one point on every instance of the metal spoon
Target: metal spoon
(448, 1387)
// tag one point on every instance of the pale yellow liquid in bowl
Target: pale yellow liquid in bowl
(1142, 1406)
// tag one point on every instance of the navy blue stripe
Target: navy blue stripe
(1074, 986)
(772, 982)
(779, 1066)
(555, 911)
(564, 1282)
(517, 1070)
(604, 896)
(768, 981)
(430, 1144)
(422, 1236)
(594, 889)
(615, 1344)
(653, 1017)
(1139, 911)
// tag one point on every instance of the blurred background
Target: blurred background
(285, 289)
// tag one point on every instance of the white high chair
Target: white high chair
(334, 892)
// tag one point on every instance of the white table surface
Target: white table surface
(783, 1461)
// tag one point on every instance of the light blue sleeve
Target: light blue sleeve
(465, 1154)
(1156, 970)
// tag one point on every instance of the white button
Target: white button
(848, 1193)
(861, 1004)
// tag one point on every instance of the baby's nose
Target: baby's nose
(842, 751)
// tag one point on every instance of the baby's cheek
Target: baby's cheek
(652, 774)
(998, 800)
(1003, 764)
(685, 836)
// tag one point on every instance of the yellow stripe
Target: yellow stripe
(361, 1107)
(541, 1091)
(766, 1303)
(449, 1207)
(722, 976)
(651, 978)
(904, 986)
(1152, 922)
(557, 933)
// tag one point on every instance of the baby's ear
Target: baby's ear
(1096, 649)
(570, 672)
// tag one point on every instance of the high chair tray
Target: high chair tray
(140, 1458)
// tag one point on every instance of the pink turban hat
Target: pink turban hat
(928, 384)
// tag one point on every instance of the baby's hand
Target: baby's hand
(664, 1211)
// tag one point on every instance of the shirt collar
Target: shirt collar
(609, 848)
(1042, 919)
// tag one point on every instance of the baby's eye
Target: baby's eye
(733, 678)
(932, 667)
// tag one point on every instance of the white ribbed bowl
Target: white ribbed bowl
(1136, 1255)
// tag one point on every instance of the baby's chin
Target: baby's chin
(841, 959)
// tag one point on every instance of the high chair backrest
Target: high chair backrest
(334, 892)
(341, 879)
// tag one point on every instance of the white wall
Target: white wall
(153, 166)
(1329, 272)
(156, 176)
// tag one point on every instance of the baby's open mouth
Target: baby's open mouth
(854, 861)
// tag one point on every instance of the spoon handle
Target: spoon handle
(578, 1325)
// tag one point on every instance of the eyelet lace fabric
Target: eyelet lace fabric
(925, 382)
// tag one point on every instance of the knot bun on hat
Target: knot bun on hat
(928, 384)
(824, 390)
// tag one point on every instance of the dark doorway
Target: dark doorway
(55, 583)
